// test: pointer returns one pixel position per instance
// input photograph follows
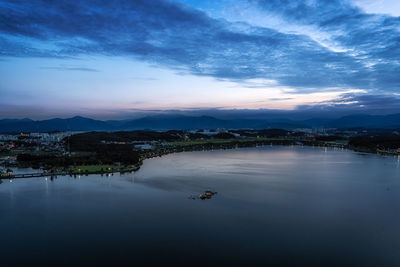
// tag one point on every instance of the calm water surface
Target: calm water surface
(275, 205)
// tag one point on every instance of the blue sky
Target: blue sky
(115, 59)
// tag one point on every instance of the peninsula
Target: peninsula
(86, 153)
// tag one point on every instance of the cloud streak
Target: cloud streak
(356, 103)
(372, 40)
(64, 68)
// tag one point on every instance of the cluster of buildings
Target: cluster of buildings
(141, 145)
(33, 142)
(4, 173)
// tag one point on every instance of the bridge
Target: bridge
(47, 174)
(31, 175)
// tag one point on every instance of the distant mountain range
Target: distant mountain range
(180, 122)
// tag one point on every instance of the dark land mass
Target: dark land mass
(126, 150)
(180, 122)
(377, 143)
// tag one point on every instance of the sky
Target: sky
(119, 58)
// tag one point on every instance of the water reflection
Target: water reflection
(275, 205)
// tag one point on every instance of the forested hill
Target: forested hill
(180, 122)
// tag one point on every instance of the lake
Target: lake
(275, 205)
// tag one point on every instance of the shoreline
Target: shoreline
(49, 174)
(201, 147)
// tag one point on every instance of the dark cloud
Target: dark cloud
(370, 39)
(373, 101)
(359, 103)
(189, 41)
